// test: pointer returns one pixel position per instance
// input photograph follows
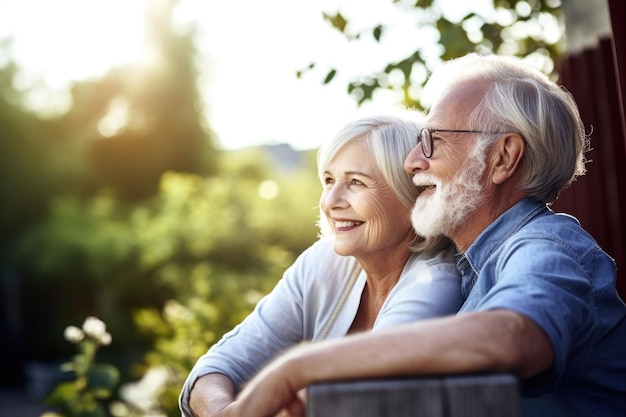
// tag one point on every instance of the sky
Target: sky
(267, 42)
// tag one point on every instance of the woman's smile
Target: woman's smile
(345, 225)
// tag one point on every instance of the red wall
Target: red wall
(597, 79)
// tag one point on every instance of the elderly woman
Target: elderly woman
(368, 271)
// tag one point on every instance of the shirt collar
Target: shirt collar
(498, 232)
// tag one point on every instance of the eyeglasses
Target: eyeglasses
(426, 137)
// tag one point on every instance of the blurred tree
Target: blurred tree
(211, 246)
(31, 172)
(526, 28)
(146, 118)
(122, 132)
(182, 266)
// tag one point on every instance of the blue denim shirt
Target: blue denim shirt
(545, 266)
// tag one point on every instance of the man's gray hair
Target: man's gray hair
(523, 100)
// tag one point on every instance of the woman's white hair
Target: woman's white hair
(389, 139)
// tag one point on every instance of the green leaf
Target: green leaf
(454, 38)
(337, 21)
(62, 393)
(103, 378)
(331, 74)
(67, 367)
(301, 72)
(424, 4)
(377, 32)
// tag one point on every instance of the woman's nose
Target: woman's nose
(334, 197)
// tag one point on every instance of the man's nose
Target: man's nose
(415, 160)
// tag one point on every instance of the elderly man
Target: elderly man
(501, 141)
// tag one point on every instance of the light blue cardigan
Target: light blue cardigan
(300, 306)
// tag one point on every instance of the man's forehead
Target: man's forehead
(456, 103)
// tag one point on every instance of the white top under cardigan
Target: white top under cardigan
(300, 305)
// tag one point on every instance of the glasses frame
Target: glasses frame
(428, 145)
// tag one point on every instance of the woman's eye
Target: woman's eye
(356, 182)
(328, 181)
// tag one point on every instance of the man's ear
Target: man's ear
(507, 157)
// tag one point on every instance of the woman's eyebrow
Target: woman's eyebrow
(360, 173)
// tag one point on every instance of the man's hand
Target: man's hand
(272, 392)
(296, 408)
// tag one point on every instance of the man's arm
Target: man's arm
(489, 341)
(211, 394)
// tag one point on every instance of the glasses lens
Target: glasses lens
(427, 144)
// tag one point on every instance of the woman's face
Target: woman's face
(366, 216)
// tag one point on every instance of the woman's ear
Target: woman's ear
(507, 157)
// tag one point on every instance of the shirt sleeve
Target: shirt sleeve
(541, 279)
(280, 320)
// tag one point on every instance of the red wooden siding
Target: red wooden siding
(596, 77)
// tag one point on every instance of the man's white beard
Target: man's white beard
(449, 206)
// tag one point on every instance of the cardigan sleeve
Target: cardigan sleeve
(289, 314)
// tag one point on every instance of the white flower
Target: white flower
(144, 394)
(105, 339)
(73, 334)
(94, 327)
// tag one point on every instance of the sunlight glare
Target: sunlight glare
(116, 119)
(69, 40)
(268, 190)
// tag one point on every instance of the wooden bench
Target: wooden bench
(484, 395)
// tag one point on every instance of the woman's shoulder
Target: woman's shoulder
(321, 247)
(320, 261)
(322, 252)
(319, 275)
(444, 257)
(432, 265)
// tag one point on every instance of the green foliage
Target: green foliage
(212, 297)
(64, 173)
(30, 167)
(526, 28)
(141, 121)
(219, 229)
(187, 264)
